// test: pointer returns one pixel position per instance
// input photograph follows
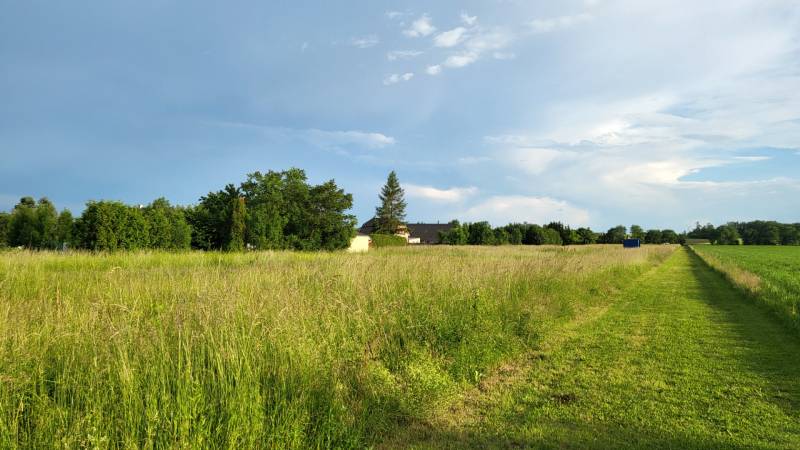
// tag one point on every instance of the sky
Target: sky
(591, 112)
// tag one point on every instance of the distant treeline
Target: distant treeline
(276, 210)
(554, 233)
(757, 232)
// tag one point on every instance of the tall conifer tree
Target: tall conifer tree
(392, 211)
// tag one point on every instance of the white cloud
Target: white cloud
(421, 27)
(504, 56)
(365, 41)
(347, 138)
(450, 38)
(460, 60)
(558, 23)
(536, 161)
(452, 195)
(317, 137)
(468, 20)
(752, 158)
(402, 54)
(500, 210)
(434, 70)
(396, 78)
(392, 15)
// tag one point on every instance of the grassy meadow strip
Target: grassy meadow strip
(272, 349)
(770, 273)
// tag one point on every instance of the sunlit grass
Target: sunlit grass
(272, 349)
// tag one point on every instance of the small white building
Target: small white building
(360, 243)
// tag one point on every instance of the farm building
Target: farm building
(415, 233)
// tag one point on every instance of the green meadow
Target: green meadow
(769, 273)
(427, 347)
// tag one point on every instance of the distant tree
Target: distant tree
(568, 237)
(64, 229)
(237, 225)
(637, 232)
(515, 234)
(670, 237)
(167, 226)
(727, 235)
(267, 210)
(457, 235)
(5, 219)
(331, 227)
(501, 236)
(534, 235)
(392, 210)
(586, 236)
(789, 234)
(653, 237)
(23, 228)
(480, 233)
(110, 226)
(614, 235)
(551, 237)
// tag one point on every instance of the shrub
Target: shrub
(388, 240)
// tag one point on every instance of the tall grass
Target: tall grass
(271, 350)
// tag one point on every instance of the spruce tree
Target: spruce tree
(237, 230)
(392, 211)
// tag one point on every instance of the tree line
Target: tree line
(757, 232)
(554, 233)
(273, 210)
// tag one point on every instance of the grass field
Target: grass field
(770, 273)
(494, 347)
(682, 360)
(276, 350)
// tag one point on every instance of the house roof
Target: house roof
(428, 233)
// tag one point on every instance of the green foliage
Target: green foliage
(237, 227)
(5, 219)
(728, 235)
(110, 226)
(457, 235)
(653, 237)
(24, 229)
(64, 229)
(282, 211)
(614, 235)
(388, 240)
(586, 236)
(637, 232)
(392, 211)
(46, 223)
(167, 226)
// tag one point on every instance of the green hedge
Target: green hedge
(388, 240)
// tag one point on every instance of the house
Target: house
(415, 233)
(360, 243)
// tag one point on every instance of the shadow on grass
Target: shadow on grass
(767, 346)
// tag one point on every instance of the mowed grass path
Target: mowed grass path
(681, 360)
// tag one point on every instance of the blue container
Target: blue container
(631, 243)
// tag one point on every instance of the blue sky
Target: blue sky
(593, 112)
